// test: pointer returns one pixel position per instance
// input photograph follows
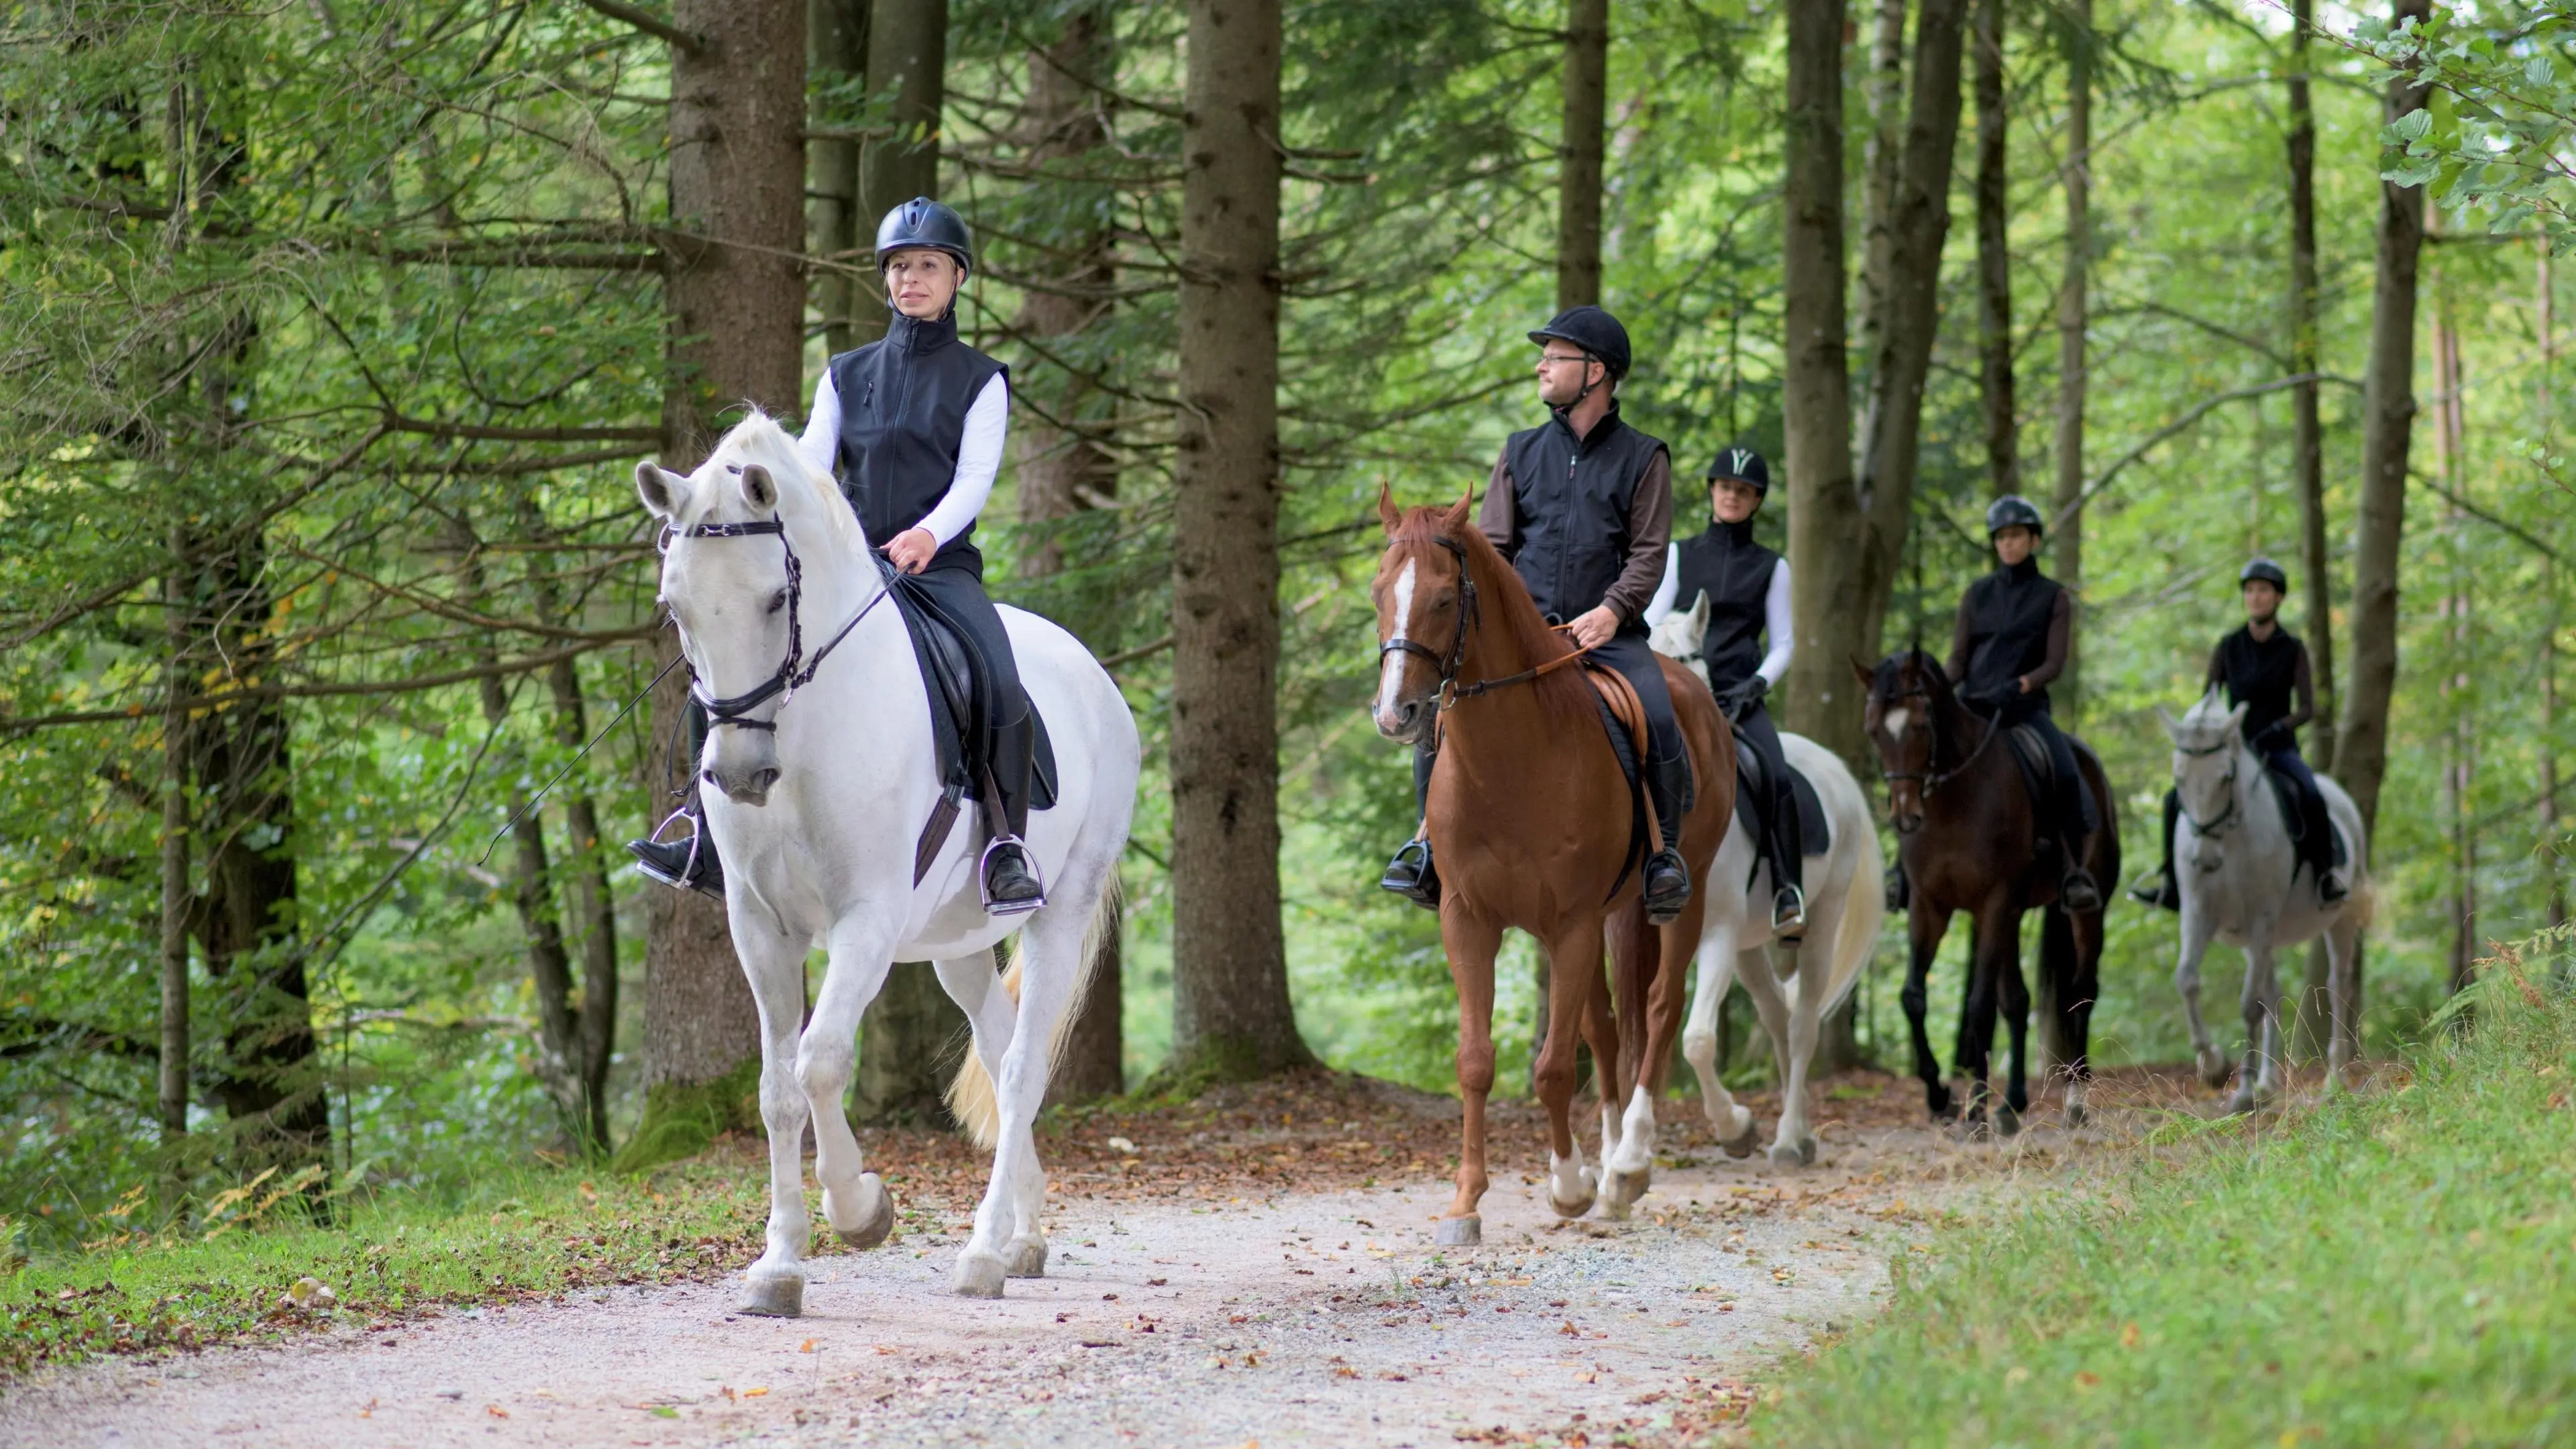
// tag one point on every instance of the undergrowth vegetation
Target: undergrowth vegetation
(2389, 1267)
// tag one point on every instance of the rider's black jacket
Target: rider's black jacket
(2013, 624)
(903, 418)
(2267, 676)
(1734, 572)
(1579, 517)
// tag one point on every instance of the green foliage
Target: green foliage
(2498, 146)
(2392, 1267)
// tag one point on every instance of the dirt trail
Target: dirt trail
(1299, 1316)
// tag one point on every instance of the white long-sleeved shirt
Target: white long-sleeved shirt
(979, 453)
(1775, 613)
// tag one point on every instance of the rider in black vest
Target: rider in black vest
(1747, 588)
(2011, 641)
(913, 426)
(1583, 507)
(2264, 667)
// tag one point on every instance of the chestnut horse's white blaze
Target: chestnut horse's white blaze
(817, 821)
(1390, 683)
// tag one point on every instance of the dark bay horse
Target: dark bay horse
(1969, 839)
(1531, 828)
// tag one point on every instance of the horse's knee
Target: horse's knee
(1699, 1046)
(824, 1070)
(1553, 1082)
(1916, 998)
(1476, 1069)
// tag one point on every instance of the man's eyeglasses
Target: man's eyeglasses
(1545, 358)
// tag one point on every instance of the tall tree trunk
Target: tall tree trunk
(594, 913)
(1882, 153)
(1910, 319)
(1578, 173)
(2066, 547)
(1994, 256)
(2316, 565)
(1825, 514)
(178, 896)
(836, 36)
(1064, 465)
(907, 57)
(1230, 1009)
(2388, 420)
(2549, 808)
(2460, 746)
(736, 304)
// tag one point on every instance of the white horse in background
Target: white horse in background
(1845, 907)
(2242, 883)
(815, 805)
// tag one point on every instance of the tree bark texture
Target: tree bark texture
(1882, 153)
(2316, 565)
(736, 299)
(1825, 514)
(2066, 548)
(2388, 420)
(178, 895)
(836, 36)
(1994, 257)
(909, 1041)
(1579, 152)
(1230, 1009)
(907, 58)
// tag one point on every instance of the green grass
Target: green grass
(2393, 1268)
(527, 1234)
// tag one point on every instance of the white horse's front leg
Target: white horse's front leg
(1051, 945)
(1814, 982)
(992, 1012)
(1773, 1005)
(775, 1284)
(855, 1202)
(1733, 1122)
(2343, 951)
(2260, 1078)
(2199, 925)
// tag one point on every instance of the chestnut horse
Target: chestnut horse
(1531, 827)
(1969, 838)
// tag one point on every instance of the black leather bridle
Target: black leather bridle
(795, 671)
(1932, 780)
(1449, 662)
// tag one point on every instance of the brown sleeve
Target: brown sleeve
(2061, 626)
(2304, 685)
(1650, 528)
(1499, 514)
(1958, 667)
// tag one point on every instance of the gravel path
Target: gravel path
(1295, 1317)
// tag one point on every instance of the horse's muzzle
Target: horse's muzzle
(747, 787)
(1404, 721)
(1905, 821)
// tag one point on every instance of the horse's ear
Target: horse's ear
(1699, 612)
(1386, 513)
(2173, 727)
(1863, 673)
(2236, 721)
(661, 489)
(758, 488)
(1461, 511)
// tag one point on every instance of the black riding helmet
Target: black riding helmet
(2265, 570)
(922, 222)
(1740, 464)
(1595, 331)
(2012, 511)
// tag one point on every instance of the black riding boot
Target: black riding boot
(2166, 889)
(1668, 882)
(690, 864)
(1011, 884)
(2076, 889)
(1788, 863)
(1411, 874)
(2323, 848)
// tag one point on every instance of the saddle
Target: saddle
(962, 733)
(2294, 814)
(1623, 718)
(1815, 833)
(2030, 755)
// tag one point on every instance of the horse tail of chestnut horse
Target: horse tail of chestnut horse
(971, 1098)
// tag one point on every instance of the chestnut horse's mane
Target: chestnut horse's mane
(1504, 603)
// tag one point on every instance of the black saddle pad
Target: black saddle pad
(2030, 752)
(947, 668)
(1815, 834)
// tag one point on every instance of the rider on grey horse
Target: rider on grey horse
(1747, 588)
(913, 426)
(2264, 667)
(1583, 508)
(2011, 640)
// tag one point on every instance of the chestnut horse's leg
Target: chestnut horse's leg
(1925, 923)
(1659, 955)
(1471, 941)
(1611, 1081)
(1573, 981)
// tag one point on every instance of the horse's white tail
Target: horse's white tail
(1864, 913)
(971, 1097)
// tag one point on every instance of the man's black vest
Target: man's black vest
(2008, 612)
(2261, 675)
(1572, 500)
(1734, 572)
(903, 417)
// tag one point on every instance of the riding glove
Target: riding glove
(1744, 696)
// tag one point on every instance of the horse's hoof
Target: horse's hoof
(979, 1275)
(1741, 1144)
(2075, 1115)
(2213, 1067)
(773, 1295)
(1622, 1189)
(1786, 1154)
(1938, 1101)
(1807, 1150)
(871, 1217)
(1973, 1128)
(1028, 1257)
(2242, 1100)
(2007, 1121)
(1466, 1232)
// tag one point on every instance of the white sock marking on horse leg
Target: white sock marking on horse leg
(1637, 1133)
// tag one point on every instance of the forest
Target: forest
(331, 678)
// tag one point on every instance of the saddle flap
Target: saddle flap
(1815, 832)
(2030, 755)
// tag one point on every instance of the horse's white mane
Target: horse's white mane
(802, 488)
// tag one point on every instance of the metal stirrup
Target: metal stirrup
(984, 878)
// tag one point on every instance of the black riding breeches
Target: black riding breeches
(956, 591)
(1782, 839)
(2069, 804)
(2314, 828)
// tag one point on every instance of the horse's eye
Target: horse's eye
(778, 601)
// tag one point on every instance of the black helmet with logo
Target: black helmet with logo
(1595, 331)
(2012, 511)
(922, 222)
(2264, 571)
(1741, 464)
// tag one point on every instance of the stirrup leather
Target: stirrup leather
(984, 878)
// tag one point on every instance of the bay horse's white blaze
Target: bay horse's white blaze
(2242, 883)
(1390, 670)
(1845, 908)
(816, 825)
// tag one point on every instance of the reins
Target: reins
(788, 677)
(1450, 690)
(1932, 780)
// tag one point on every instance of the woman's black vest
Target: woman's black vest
(1734, 572)
(2262, 675)
(903, 417)
(2008, 613)
(1572, 499)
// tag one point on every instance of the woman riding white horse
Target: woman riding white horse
(825, 772)
(1766, 889)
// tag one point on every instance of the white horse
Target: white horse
(815, 807)
(1844, 910)
(2242, 883)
